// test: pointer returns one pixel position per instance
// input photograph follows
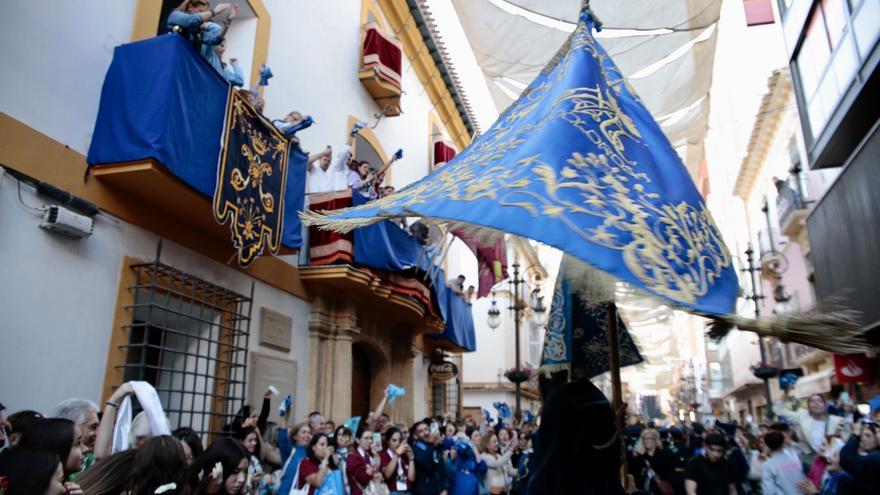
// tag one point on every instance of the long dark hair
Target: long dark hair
(341, 431)
(227, 451)
(28, 471)
(390, 433)
(244, 432)
(109, 475)
(158, 462)
(189, 436)
(310, 453)
(50, 434)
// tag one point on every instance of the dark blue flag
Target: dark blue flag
(577, 334)
(251, 181)
(578, 163)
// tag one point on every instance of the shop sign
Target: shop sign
(443, 371)
(852, 368)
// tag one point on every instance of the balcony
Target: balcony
(381, 68)
(792, 209)
(157, 137)
(772, 263)
(387, 273)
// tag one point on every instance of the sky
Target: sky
(474, 85)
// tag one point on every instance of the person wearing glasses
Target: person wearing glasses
(710, 474)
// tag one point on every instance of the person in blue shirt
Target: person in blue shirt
(231, 71)
(292, 455)
(429, 461)
(192, 19)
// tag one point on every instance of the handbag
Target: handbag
(333, 484)
(293, 489)
(376, 488)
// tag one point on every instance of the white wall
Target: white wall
(58, 299)
(323, 83)
(54, 56)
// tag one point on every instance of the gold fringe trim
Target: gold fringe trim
(325, 220)
(836, 331)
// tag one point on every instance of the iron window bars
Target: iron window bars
(189, 339)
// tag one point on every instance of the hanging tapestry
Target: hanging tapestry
(251, 181)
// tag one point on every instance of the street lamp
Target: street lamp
(765, 375)
(536, 303)
(538, 308)
(494, 320)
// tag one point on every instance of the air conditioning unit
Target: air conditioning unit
(63, 221)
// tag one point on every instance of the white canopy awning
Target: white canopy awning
(666, 48)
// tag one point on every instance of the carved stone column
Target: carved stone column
(401, 374)
(332, 324)
(320, 326)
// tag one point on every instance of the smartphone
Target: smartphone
(864, 409)
(435, 428)
(377, 438)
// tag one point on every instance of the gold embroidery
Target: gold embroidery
(254, 215)
(672, 248)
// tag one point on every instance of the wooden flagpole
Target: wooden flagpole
(614, 365)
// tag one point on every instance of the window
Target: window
(829, 56)
(444, 397)
(189, 339)
(536, 345)
(367, 147)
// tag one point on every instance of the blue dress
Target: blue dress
(468, 472)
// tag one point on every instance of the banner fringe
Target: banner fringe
(835, 331)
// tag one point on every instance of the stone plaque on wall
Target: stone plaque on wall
(267, 370)
(275, 329)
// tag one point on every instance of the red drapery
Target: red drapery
(327, 247)
(443, 152)
(383, 53)
(491, 259)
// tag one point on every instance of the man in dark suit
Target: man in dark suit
(429, 462)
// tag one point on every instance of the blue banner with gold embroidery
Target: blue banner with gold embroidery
(251, 181)
(577, 335)
(577, 162)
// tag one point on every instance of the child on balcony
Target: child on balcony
(231, 71)
(192, 20)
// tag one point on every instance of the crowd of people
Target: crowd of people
(574, 447)
(820, 449)
(70, 451)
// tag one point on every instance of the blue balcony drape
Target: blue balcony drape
(161, 100)
(386, 246)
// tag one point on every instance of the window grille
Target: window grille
(444, 397)
(189, 339)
